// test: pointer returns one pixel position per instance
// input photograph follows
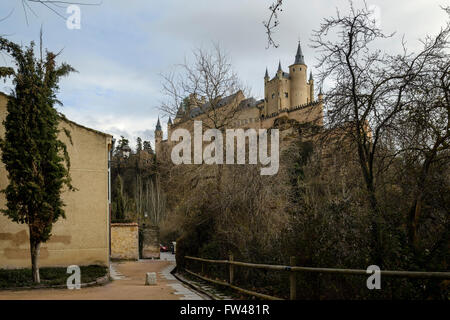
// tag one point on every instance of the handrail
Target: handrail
(293, 269)
(206, 260)
(389, 273)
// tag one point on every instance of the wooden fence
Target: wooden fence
(293, 269)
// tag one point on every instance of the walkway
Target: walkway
(128, 285)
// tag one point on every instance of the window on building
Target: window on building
(273, 95)
(286, 95)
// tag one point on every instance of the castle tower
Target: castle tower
(169, 128)
(320, 95)
(311, 87)
(298, 85)
(158, 138)
(283, 89)
(280, 70)
(266, 91)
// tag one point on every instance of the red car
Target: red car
(163, 248)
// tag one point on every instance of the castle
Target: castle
(287, 96)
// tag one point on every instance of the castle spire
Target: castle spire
(267, 74)
(310, 76)
(158, 125)
(279, 66)
(299, 59)
(170, 120)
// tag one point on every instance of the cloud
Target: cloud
(123, 46)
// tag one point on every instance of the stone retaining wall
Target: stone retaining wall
(125, 241)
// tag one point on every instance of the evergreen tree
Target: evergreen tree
(148, 147)
(138, 144)
(119, 203)
(37, 162)
(122, 143)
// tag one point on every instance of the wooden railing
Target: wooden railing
(293, 270)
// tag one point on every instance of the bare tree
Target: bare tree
(423, 130)
(370, 89)
(54, 6)
(272, 23)
(204, 83)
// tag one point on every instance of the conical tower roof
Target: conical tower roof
(158, 125)
(299, 58)
(279, 66)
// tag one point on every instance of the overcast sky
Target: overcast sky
(123, 46)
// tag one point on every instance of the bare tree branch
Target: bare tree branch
(273, 22)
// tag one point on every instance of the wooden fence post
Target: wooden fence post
(231, 258)
(293, 280)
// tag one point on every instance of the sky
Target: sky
(123, 46)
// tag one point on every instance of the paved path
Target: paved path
(129, 285)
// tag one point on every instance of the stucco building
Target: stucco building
(83, 237)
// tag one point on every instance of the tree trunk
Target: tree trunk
(376, 219)
(35, 247)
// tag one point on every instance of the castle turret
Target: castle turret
(266, 76)
(180, 114)
(311, 87)
(169, 128)
(158, 138)
(298, 85)
(320, 96)
(279, 71)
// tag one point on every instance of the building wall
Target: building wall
(150, 242)
(83, 237)
(125, 241)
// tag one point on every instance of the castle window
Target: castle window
(273, 95)
(293, 69)
(286, 95)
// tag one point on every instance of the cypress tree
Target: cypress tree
(138, 144)
(119, 203)
(37, 162)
